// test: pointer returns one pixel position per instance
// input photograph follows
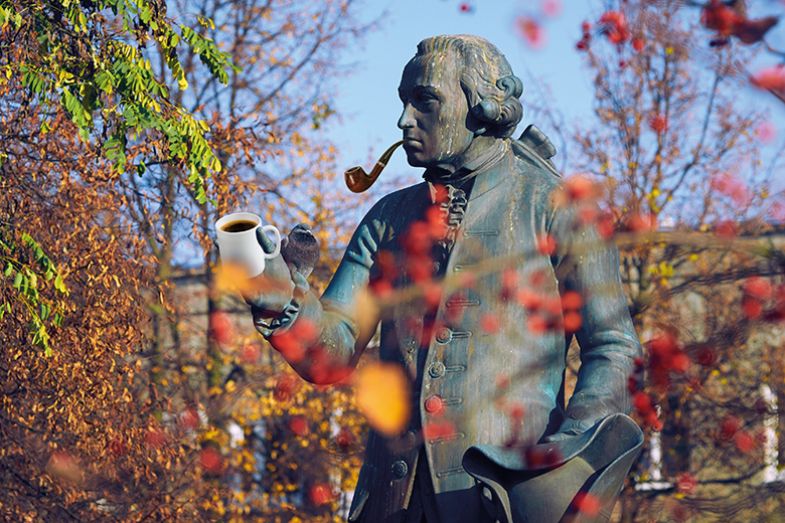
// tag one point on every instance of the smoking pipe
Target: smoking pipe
(357, 180)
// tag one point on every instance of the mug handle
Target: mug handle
(277, 250)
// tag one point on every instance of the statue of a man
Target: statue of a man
(486, 357)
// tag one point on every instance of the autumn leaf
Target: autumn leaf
(382, 395)
(232, 278)
(366, 311)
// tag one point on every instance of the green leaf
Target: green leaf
(105, 81)
(45, 310)
(145, 14)
(60, 284)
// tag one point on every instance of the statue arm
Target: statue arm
(321, 338)
(588, 264)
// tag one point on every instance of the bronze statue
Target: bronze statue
(481, 357)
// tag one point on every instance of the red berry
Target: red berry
(658, 123)
(729, 427)
(571, 300)
(744, 442)
(758, 287)
(686, 483)
(572, 321)
(546, 244)
(344, 439)
(587, 504)
(210, 460)
(299, 425)
(489, 323)
(220, 327)
(320, 494)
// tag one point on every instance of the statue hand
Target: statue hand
(272, 290)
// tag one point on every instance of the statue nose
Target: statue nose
(406, 121)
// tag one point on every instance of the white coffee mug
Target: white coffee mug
(237, 243)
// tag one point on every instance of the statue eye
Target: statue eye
(424, 97)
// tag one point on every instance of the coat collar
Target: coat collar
(488, 171)
(492, 175)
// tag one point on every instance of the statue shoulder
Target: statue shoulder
(393, 203)
(533, 147)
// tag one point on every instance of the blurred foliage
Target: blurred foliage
(125, 133)
(687, 185)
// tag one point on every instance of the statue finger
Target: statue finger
(267, 243)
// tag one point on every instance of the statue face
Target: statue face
(435, 111)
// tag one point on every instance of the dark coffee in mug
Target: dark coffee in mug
(239, 226)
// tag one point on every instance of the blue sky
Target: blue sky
(368, 100)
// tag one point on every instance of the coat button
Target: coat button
(434, 405)
(400, 469)
(443, 335)
(436, 370)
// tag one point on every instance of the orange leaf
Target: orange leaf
(382, 392)
(232, 278)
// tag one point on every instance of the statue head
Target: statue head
(456, 89)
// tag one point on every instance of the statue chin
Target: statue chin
(416, 158)
(413, 160)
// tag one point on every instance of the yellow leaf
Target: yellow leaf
(366, 311)
(231, 278)
(382, 392)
